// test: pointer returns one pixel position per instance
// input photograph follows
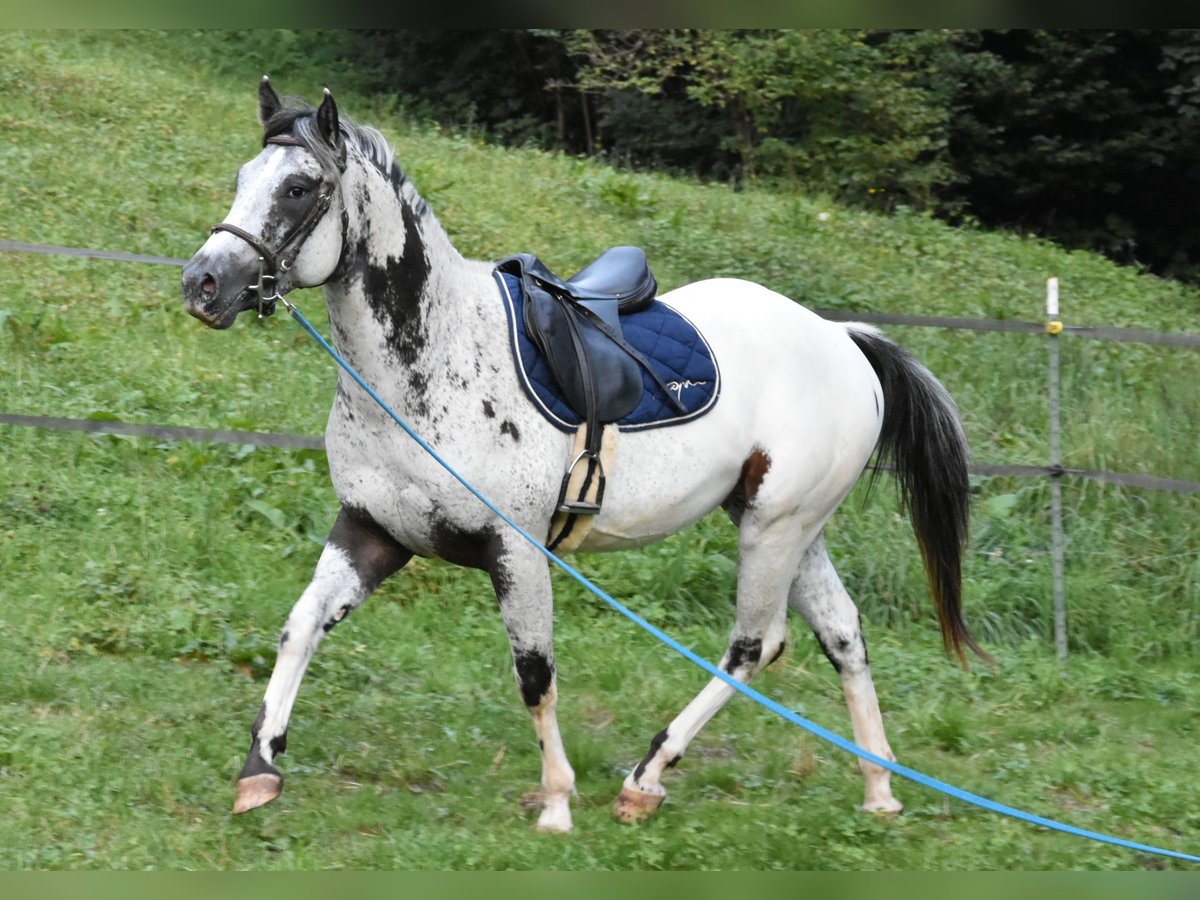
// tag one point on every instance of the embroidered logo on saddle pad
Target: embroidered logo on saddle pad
(678, 353)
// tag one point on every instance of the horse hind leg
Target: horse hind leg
(758, 639)
(356, 558)
(818, 595)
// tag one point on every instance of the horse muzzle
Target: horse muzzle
(216, 294)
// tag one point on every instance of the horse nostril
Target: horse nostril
(208, 286)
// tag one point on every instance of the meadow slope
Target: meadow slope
(144, 582)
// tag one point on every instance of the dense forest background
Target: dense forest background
(1088, 138)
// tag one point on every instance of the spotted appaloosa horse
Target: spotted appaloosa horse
(804, 403)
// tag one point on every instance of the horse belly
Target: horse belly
(664, 480)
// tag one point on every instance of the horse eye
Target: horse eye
(296, 192)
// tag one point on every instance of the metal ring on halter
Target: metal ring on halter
(266, 302)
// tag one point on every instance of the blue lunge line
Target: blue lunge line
(824, 734)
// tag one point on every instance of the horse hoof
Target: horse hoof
(257, 790)
(633, 805)
(886, 808)
(555, 820)
(553, 817)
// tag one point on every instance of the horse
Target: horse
(805, 405)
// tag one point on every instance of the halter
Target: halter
(271, 264)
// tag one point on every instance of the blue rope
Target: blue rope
(812, 727)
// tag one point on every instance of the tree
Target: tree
(488, 79)
(856, 114)
(1086, 137)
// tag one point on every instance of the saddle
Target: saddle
(576, 324)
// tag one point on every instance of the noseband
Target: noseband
(271, 264)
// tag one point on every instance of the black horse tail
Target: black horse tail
(923, 440)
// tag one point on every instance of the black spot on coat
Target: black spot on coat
(373, 552)
(394, 291)
(473, 549)
(255, 764)
(655, 745)
(534, 675)
(743, 652)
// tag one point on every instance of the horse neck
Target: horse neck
(403, 296)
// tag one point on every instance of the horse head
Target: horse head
(279, 233)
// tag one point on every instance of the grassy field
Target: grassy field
(144, 583)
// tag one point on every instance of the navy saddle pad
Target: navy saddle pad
(671, 344)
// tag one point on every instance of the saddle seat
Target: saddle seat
(619, 273)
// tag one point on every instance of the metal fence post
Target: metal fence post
(1054, 328)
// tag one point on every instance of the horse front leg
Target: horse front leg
(521, 578)
(357, 557)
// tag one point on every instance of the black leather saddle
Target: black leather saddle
(576, 325)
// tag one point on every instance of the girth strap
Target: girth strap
(582, 491)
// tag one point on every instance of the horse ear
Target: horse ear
(327, 121)
(268, 101)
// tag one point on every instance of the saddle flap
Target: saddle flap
(607, 311)
(585, 361)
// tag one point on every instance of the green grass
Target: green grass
(144, 583)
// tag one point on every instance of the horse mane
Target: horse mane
(299, 120)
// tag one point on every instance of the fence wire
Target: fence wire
(315, 442)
